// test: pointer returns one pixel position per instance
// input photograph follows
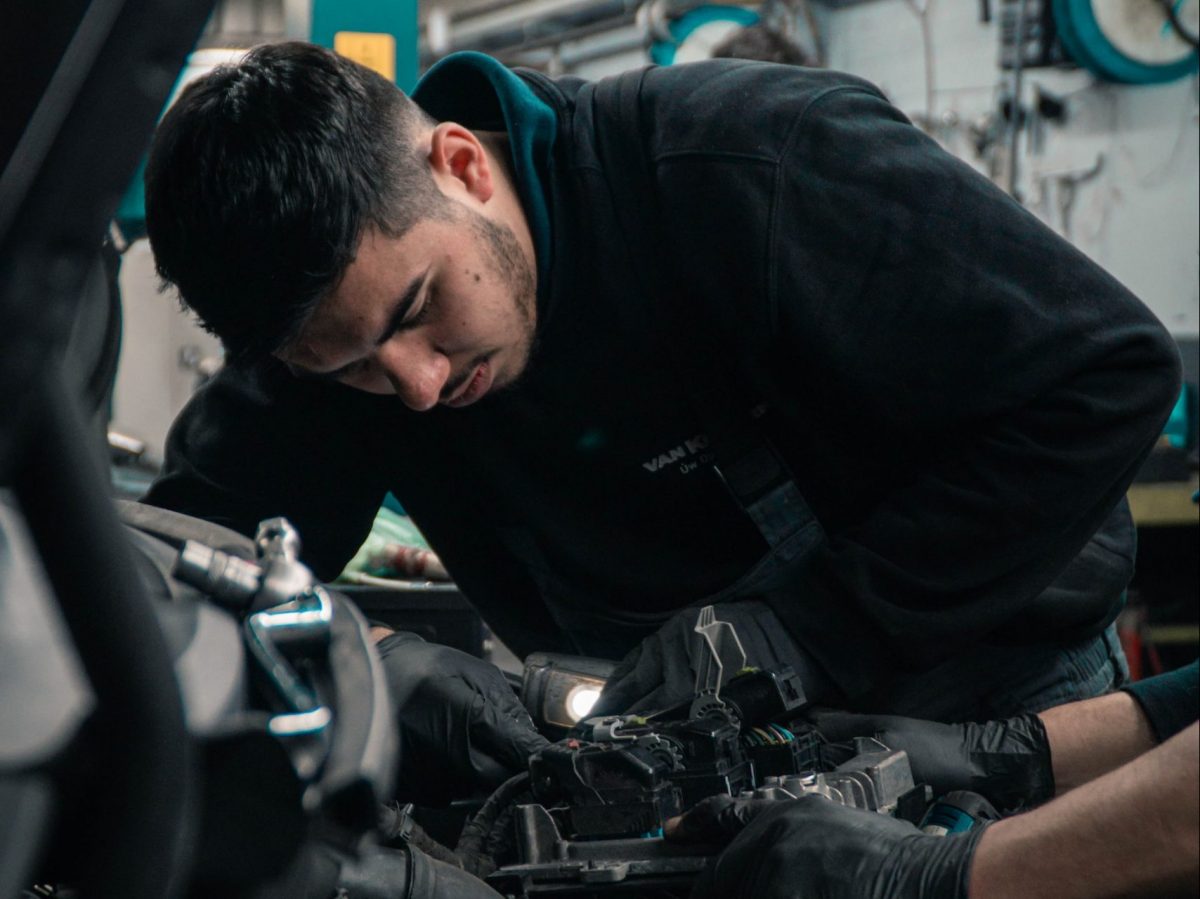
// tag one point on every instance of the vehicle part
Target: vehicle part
(588, 819)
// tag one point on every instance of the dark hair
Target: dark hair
(762, 42)
(262, 179)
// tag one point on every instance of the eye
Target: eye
(422, 314)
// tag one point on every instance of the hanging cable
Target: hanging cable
(921, 9)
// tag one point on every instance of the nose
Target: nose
(416, 371)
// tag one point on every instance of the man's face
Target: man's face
(444, 314)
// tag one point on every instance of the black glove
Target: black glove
(1007, 762)
(462, 729)
(408, 873)
(660, 672)
(813, 847)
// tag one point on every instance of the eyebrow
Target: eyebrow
(394, 323)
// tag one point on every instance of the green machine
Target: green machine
(380, 34)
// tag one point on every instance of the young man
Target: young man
(728, 333)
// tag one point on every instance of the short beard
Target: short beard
(514, 269)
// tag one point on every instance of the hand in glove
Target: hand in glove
(1007, 762)
(462, 729)
(661, 671)
(814, 847)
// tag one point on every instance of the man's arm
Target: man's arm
(1091, 738)
(1026, 760)
(1133, 831)
(255, 444)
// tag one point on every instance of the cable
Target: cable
(786, 734)
(477, 830)
(922, 9)
(1015, 124)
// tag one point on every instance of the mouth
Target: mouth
(479, 383)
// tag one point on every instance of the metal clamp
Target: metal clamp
(301, 625)
(720, 649)
(297, 620)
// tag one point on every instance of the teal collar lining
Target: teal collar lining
(477, 91)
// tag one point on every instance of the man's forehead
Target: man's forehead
(325, 330)
(381, 265)
(357, 312)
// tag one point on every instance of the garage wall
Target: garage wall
(1138, 216)
(159, 346)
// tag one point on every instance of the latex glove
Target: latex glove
(661, 671)
(1006, 762)
(463, 731)
(813, 847)
(408, 873)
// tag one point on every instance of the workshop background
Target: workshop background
(1086, 110)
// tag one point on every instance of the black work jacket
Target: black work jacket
(962, 397)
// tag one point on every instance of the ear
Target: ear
(459, 162)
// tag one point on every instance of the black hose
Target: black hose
(475, 834)
(397, 824)
(145, 799)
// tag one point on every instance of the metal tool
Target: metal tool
(289, 617)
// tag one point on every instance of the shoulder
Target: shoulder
(736, 106)
(713, 107)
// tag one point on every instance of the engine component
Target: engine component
(957, 812)
(591, 821)
(292, 627)
(603, 834)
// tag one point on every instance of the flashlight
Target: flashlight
(559, 690)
